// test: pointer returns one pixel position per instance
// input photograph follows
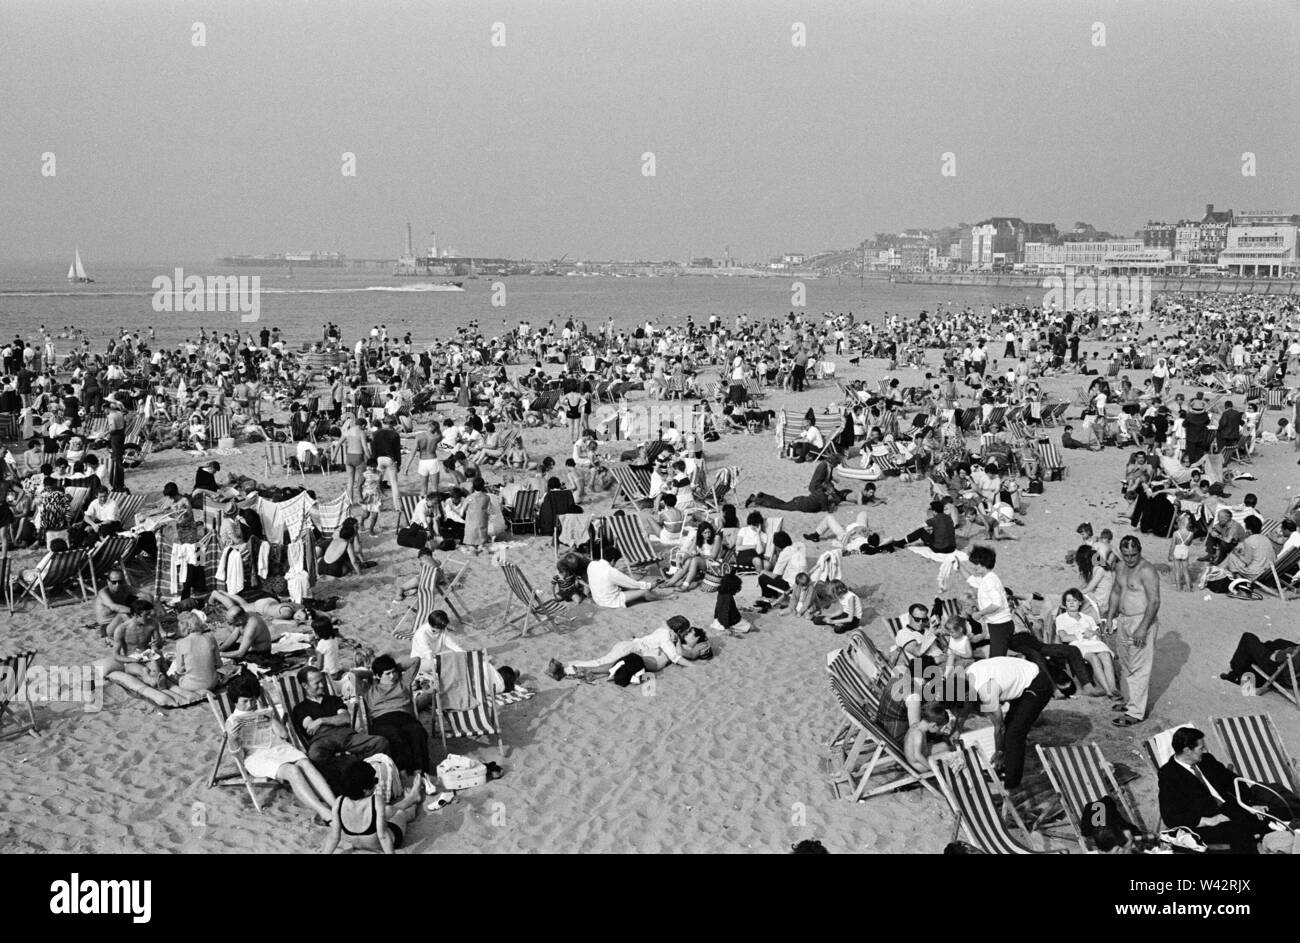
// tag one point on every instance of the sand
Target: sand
(727, 756)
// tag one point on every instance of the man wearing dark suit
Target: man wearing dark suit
(1229, 426)
(1197, 792)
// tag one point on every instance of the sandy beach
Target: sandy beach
(729, 756)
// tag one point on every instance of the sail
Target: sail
(72, 270)
(81, 272)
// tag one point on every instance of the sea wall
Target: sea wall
(1159, 283)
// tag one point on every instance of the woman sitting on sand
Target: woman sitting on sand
(197, 659)
(342, 555)
(258, 737)
(363, 820)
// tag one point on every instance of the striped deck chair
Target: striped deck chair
(78, 499)
(433, 582)
(9, 427)
(284, 693)
(850, 665)
(13, 681)
(277, 456)
(221, 710)
(218, 426)
(753, 390)
(128, 505)
(886, 755)
(524, 512)
(1020, 435)
(60, 571)
(97, 430)
(633, 490)
(332, 514)
(1049, 459)
(1278, 399)
(634, 547)
(461, 678)
(996, 417)
(1255, 750)
(544, 611)
(968, 418)
(1278, 578)
(1080, 774)
(109, 552)
(970, 788)
(407, 503)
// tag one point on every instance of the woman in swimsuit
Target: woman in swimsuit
(364, 820)
(342, 555)
(356, 450)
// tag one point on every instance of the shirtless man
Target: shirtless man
(426, 454)
(113, 603)
(249, 634)
(1134, 605)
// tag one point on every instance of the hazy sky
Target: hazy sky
(166, 151)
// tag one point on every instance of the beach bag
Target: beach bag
(1036, 486)
(461, 772)
(413, 535)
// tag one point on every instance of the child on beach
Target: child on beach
(371, 500)
(1180, 549)
(726, 617)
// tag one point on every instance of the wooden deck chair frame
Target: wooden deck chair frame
(13, 683)
(221, 710)
(519, 589)
(885, 754)
(62, 569)
(1080, 774)
(632, 490)
(1280, 678)
(7, 584)
(1276, 580)
(971, 790)
(483, 720)
(1255, 749)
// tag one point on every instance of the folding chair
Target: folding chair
(886, 754)
(843, 665)
(1049, 458)
(13, 688)
(524, 511)
(634, 548)
(218, 427)
(78, 499)
(1080, 774)
(62, 568)
(128, 505)
(1280, 678)
(407, 503)
(1158, 750)
(7, 584)
(277, 456)
(1279, 578)
(544, 611)
(971, 790)
(107, 553)
(462, 704)
(633, 490)
(1255, 750)
(221, 710)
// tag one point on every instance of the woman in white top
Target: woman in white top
(612, 589)
(751, 543)
(1075, 627)
(1096, 578)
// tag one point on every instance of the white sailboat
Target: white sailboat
(76, 273)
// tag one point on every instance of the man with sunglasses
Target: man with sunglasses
(113, 602)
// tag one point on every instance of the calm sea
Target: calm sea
(122, 295)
